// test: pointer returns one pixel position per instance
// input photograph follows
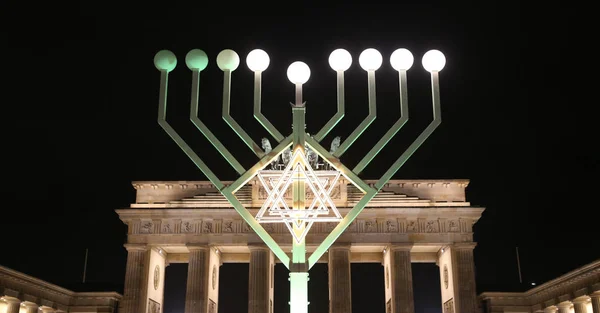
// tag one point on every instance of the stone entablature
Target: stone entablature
(33, 291)
(190, 193)
(582, 284)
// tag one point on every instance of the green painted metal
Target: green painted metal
(298, 268)
(162, 121)
(341, 227)
(298, 264)
(437, 120)
(266, 159)
(392, 131)
(204, 130)
(340, 109)
(231, 122)
(366, 122)
(346, 172)
(258, 229)
(257, 108)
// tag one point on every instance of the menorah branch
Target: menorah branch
(437, 120)
(257, 108)
(204, 130)
(392, 131)
(366, 122)
(340, 109)
(231, 122)
(162, 121)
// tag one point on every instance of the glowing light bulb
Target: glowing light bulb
(257, 60)
(196, 59)
(298, 72)
(434, 60)
(165, 60)
(228, 60)
(370, 59)
(401, 59)
(340, 60)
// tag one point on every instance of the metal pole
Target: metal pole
(299, 266)
(85, 264)
(519, 265)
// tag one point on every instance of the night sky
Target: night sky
(80, 97)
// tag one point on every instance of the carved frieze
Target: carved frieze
(449, 306)
(391, 226)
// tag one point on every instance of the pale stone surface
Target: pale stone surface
(401, 279)
(20, 292)
(340, 282)
(260, 280)
(419, 217)
(574, 289)
(136, 279)
(196, 297)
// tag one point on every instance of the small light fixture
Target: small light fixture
(442, 250)
(533, 284)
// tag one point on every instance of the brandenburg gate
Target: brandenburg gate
(299, 205)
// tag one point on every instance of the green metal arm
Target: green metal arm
(231, 122)
(365, 123)
(392, 131)
(354, 212)
(340, 109)
(266, 159)
(162, 121)
(204, 130)
(437, 120)
(257, 110)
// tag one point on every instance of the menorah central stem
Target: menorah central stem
(299, 266)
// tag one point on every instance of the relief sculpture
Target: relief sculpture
(153, 306)
(228, 227)
(391, 226)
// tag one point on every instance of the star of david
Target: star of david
(321, 209)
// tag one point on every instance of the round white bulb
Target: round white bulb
(228, 60)
(370, 59)
(402, 59)
(298, 72)
(257, 60)
(340, 60)
(434, 60)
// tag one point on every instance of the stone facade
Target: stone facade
(408, 221)
(575, 292)
(21, 293)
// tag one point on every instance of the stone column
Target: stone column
(551, 309)
(12, 304)
(595, 302)
(564, 307)
(46, 309)
(136, 282)
(29, 307)
(580, 305)
(260, 277)
(463, 270)
(340, 291)
(401, 279)
(196, 295)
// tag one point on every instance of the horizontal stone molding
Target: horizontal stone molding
(566, 288)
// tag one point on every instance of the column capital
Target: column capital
(564, 305)
(257, 246)
(340, 246)
(463, 245)
(196, 247)
(400, 246)
(595, 294)
(551, 309)
(10, 299)
(136, 247)
(582, 299)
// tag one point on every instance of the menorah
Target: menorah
(298, 153)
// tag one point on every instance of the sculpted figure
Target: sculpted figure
(266, 145)
(335, 143)
(286, 156)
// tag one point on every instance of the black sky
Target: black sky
(80, 96)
